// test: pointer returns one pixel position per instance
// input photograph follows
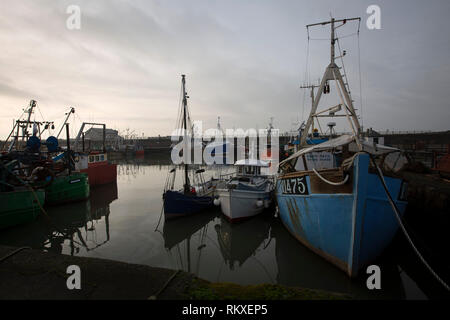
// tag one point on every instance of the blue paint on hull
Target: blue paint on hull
(348, 229)
(177, 204)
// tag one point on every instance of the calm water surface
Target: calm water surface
(120, 221)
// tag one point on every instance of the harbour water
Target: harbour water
(122, 221)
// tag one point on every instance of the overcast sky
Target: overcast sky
(244, 61)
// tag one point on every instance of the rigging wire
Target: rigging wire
(342, 37)
(360, 84)
(343, 68)
(39, 109)
(306, 78)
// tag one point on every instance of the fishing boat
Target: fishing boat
(99, 169)
(67, 184)
(51, 168)
(20, 202)
(246, 194)
(140, 152)
(67, 188)
(337, 196)
(94, 163)
(21, 199)
(192, 198)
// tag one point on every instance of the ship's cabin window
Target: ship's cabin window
(91, 158)
(97, 158)
(102, 157)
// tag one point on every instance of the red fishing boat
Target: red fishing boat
(99, 169)
(140, 153)
(95, 163)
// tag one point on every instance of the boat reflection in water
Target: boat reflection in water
(239, 242)
(178, 233)
(69, 227)
(134, 167)
(247, 250)
(303, 268)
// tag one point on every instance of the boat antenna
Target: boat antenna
(332, 72)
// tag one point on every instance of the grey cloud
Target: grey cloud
(244, 61)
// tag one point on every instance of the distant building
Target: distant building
(374, 137)
(94, 138)
(96, 134)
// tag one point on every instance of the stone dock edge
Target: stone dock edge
(32, 274)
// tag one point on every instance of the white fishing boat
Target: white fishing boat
(246, 194)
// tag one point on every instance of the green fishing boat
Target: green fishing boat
(20, 206)
(67, 188)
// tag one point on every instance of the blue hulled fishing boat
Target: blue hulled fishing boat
(193, 197)
(337, 197)
(178, 203)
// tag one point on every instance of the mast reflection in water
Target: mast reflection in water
(123, 222)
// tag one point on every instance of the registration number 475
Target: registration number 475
(296, 185)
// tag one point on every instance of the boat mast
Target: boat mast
(186, 177)
(333, 72)
(30, 112)
(312, 87)
(72, 110)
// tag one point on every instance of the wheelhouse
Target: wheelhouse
(250, 167)
(100, 157)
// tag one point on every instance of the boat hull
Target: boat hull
(65, 189)
(101, 173)
(18, 207)
(178, 204)
(238, 205)
(349, 229)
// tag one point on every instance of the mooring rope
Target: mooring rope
(155, 296)
(399, 219)
(13, 253)
(397, 214)
(331, 182)
(160, 216)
